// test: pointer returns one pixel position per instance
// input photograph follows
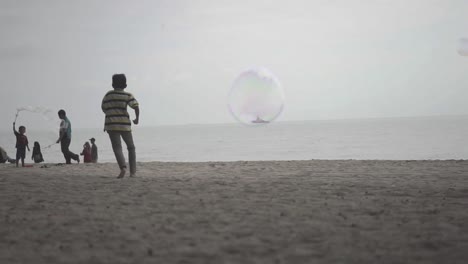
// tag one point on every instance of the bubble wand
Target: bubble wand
(46, 147)
(17, 113)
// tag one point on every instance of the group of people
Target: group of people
(117, 125)
(89, 152)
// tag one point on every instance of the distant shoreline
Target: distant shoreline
(3, 130)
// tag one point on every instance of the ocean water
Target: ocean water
(387, 138)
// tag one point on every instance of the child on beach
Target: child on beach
(21, 144)
(94, 153)
(37, 154)
(86, 153)
(118, 124)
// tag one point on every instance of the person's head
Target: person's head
(92, 140)
(36, 145)
(86, 144)
(119, 81)
(22, 130)
(62, 114)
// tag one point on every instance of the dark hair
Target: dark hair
(21, 127)
(119, 81)
(36, 145)
(62, 112)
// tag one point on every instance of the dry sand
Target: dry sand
(237, 212)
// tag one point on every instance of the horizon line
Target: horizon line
(291, 121)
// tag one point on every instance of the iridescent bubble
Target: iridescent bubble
(463, 47)
(256, 97)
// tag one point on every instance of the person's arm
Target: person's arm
(133, 103)
(137, 114)
(102, 104)
(103, 110)
(60, 136)
(62, 131)
(14, 129)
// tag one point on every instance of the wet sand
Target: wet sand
(237, 212)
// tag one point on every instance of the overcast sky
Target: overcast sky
(334, 59)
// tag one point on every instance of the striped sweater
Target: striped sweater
(114, 105)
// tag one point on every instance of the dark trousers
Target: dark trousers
(117, 147)
(65, 144)
(21, 153)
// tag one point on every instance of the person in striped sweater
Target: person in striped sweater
(118, 124)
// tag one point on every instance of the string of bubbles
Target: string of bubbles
(48, 121)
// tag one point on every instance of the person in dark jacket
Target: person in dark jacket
(37, 154)
(94, 151)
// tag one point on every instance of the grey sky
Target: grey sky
(335, 59)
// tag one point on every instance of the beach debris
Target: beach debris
(150, 252)
(376, 213)
(342, 215)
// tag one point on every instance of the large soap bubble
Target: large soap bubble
(256, 97)
(463, 47)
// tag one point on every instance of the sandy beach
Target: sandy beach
(237, 212)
